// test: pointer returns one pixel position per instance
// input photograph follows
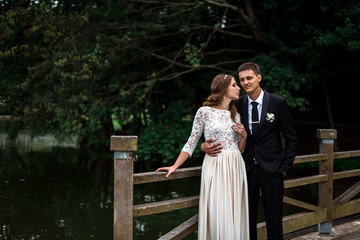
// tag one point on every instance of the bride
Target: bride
(223, 205)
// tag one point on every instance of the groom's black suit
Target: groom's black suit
(266, 160)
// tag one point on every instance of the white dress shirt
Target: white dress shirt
(259, 100)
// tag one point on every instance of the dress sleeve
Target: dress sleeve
(196, 132)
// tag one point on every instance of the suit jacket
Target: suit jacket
(266, 145)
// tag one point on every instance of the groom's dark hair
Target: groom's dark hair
(249, 66)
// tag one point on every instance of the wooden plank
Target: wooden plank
(164, 206)
(182, 230)
(326, 133)
(300, 204)
(124, 143)
(304, 181)
(148, 177)
(123, 198)
(326, 167)
(310, 158)
(347, 174)
(303, 220)
(347, 195)
(346, 209)
(347, 154)
(295, 222)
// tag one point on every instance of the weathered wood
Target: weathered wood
(124, 143)
(295, 222)
(347, 195)
(123, 185)
(347, 209)
(347, 174)
(182, 230)
(300, 204)
(304, 181)
(164, 206)
(124, 179)
(303, 220)
(148, 177)
(347, 154)
(326, 134)
(310, 158)
(123, 199)
(326, 137)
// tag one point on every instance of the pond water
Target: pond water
(65, 193)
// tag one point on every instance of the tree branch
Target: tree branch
(242, 15)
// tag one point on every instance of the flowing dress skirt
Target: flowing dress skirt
(223, 206)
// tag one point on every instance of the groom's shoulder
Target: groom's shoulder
(239, 102)
(277, 98)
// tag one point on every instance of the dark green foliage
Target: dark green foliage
(164, 139)
(70, 67)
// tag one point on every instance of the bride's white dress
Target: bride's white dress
(223, 206)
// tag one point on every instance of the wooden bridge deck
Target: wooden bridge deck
(343, 229)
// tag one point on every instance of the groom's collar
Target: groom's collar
(259, 99)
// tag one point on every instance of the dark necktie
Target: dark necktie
(255, 118)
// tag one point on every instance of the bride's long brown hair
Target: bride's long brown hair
(219, 88)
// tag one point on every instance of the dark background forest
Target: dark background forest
(95, 68)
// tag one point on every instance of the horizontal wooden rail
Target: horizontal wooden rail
(347, 154)
(295, 222)
(150, 177)
(347, 209)
(305, 181)
(310, 158)
(347, 174)
(164, 206)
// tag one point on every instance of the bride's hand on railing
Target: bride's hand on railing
(170, 170)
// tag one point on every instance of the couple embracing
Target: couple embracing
(244, 156)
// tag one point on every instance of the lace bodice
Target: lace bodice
(216, 124)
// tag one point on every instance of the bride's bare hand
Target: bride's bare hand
(239, 128)
(170, 170)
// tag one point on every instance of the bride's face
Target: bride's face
(233, 90)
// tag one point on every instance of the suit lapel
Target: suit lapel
(264, 109)
(245, 113)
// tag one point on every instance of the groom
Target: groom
(266, 117)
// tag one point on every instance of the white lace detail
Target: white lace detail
(215, 124)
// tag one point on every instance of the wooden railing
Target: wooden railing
(322, 214)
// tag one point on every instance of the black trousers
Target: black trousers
(272, 192)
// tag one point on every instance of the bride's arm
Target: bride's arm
(179, 161)
(239, 128)
(188, 149)
(242, 144)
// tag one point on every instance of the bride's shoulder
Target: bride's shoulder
(237, 117)
(204, 110)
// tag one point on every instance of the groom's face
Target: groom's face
(249, 81)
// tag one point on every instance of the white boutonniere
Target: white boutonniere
(270, 117)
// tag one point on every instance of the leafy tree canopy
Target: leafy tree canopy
(70, 67)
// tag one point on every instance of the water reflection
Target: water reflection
(55, 194)
(65, 193)
(27, 141)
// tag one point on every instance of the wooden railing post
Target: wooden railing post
(123, 146)
(326, 137)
